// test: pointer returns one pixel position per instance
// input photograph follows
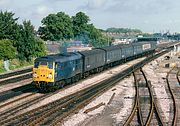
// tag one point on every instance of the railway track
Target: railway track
(16, 92)
(15, 76)
(143, 103)
(10, 113)
(136, 109)
(56, 111)
(172, 86)
(154, 109)
(10, 74)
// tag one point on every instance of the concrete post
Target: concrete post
(6, 65)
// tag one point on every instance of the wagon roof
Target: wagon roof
(109, 48)
(92, 52)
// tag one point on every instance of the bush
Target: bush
(7, 51)
(15, 64)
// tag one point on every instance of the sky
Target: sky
(146, 15)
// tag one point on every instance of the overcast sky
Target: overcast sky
(147, 15)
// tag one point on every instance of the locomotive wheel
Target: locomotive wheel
(62, 84)
(59, 84)
(56, 86)
(51, 89)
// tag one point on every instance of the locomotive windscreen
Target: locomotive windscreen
(44, 63)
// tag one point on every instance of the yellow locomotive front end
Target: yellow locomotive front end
(43, 74)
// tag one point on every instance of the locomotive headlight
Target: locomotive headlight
(34, 75)
(50, 76)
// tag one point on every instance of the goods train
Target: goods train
(54, 71)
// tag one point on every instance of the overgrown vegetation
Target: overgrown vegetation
(15, 64)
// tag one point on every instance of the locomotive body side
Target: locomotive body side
(67, 66)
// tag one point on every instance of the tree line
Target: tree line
(21, 41)
(123, 30)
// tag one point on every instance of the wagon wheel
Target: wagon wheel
(51, 89)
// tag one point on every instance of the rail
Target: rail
(174, 121)
(177, 76)
(153, 104)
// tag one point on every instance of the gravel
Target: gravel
(115, 112)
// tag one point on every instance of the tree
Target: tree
(80, 24)
(39, 47)
(87, 32)
(7, 51)
(8, 26)
(56, 27)
(27, 44)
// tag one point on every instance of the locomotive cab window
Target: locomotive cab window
(36, 64)
(43, 63)
(50, 65)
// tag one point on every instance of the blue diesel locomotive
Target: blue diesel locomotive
(54, 71)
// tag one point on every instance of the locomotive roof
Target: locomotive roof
(59, 57)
